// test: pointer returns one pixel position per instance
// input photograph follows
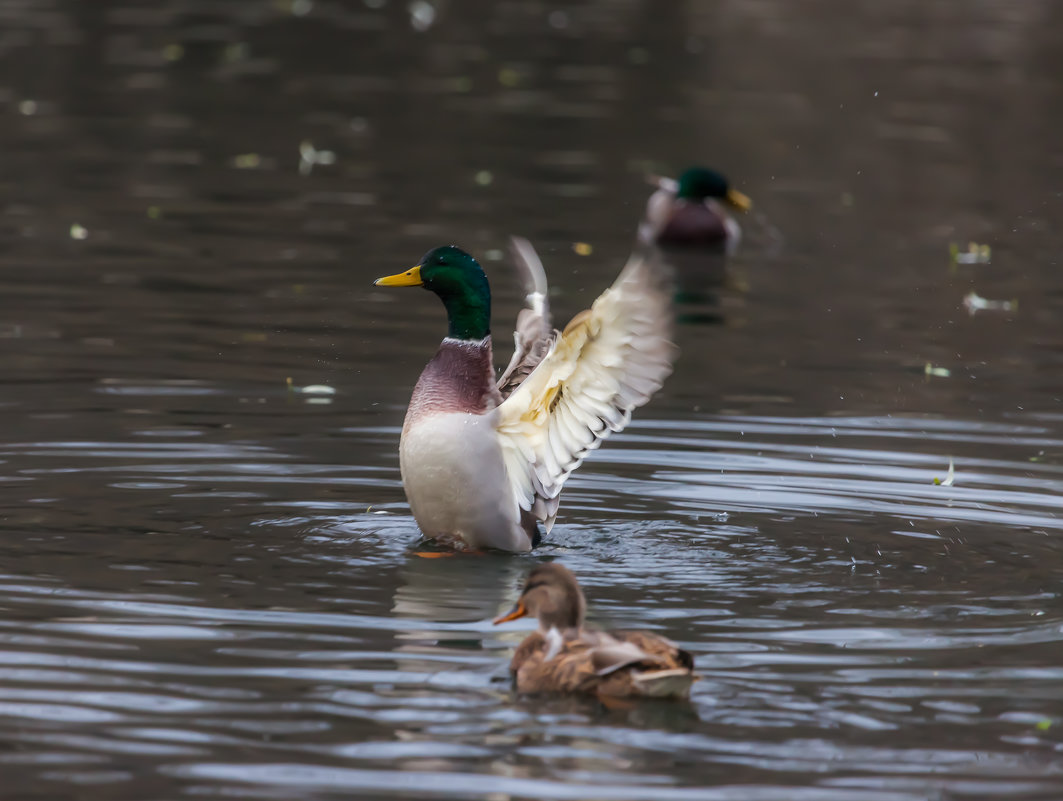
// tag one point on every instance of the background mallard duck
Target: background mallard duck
(692, 211)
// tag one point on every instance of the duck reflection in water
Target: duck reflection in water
(450, 600)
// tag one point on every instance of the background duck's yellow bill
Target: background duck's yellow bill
(512, 614)
(739, 200)
(411, 277)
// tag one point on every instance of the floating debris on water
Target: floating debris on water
(582, 248)
(236, 51)
(939, 372)
(509, 77)
(422, 15)
(317, 389)
(950, 477)
(484, 178)
(173, 52)
(317, 393)
(247, 161)
(975, 254)
(154, 212)
(27, 108)
(78, 231)
(974, 302)
(310, 156)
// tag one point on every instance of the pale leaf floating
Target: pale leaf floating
(310, 156)
(974, 302)
(316, 393)
(975, 254)
(950, 477)
(939, 372)
(247, 161)
(422, 15)
(316, 389)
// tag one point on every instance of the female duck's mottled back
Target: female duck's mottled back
(562, 656)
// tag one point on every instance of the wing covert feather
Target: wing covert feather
(609, 360)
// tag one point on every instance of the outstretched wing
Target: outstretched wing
(608, 361)
(533, 335)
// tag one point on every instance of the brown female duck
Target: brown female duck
(562, 656)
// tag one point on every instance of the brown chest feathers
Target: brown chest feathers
(460, 378)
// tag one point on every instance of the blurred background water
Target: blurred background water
(207, 584)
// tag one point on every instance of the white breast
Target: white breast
(456, 482)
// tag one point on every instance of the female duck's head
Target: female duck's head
(459, 281)
(551, 593)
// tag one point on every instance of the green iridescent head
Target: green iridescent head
(699, 183)
(459, 281)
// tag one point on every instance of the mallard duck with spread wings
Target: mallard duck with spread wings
(563, 656)
(483, 460)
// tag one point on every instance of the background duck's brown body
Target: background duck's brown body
(615, 664)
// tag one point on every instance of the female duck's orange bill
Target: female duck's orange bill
(514, 613)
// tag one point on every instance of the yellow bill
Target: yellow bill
(514, 613)
(411, 277)
(738, 200)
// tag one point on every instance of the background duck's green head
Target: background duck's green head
(698, 183)
(459, 281)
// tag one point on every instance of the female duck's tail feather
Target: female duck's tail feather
(673, 683)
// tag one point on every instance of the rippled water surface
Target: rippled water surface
(208, 582)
